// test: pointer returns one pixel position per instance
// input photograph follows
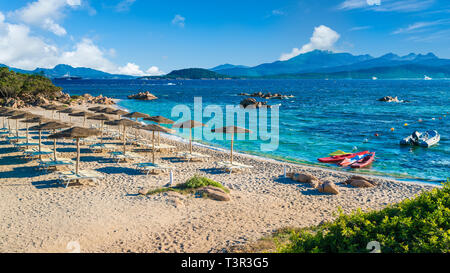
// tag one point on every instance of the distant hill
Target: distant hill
(227, 66)
(63, 70)
(306, 62)
(189, 73)
(407, 71)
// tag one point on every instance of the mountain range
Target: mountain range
(316, 64)
(325, 62)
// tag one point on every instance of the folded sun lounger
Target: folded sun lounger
(230, 167)
(149, 167)
(192, 156)
(68, 177)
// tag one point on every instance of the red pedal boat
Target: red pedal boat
(365, 161)
(338, 158)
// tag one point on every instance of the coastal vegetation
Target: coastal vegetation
(418, 225)
(25, 86)
(191, 185)
(190, 73)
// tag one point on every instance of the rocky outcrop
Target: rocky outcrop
(328, 187)
(215, 193)
(143, 96)
(305, 178)
(391, 99)
(360, 182)
(252, 103)
(14, 103)
(270, 95)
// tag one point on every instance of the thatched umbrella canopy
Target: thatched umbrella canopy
(107, 110)
(83, 114)
(189, 124)
(159, 120)
(68, 111)
(231, 130)
(6, 112)
(25, 116)
(124, 123)
(16, 115)
(52, 125)
(77, 133)
(136, 115)
(96, 109)
(119, 112)
(102, 118)
(55, 107)
(156, 128)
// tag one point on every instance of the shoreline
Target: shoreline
(399, 177)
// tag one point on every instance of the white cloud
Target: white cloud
(178, 20)
(154, 71)
(421, 26)
(20, 49)
(323, 38)
(387, 5)
(45, 14)
(124, 5)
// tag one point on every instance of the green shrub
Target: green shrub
(200, 181)
(414, 225)
(190, 185)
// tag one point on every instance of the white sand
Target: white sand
(37, 215)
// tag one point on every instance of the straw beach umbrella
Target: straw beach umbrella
(102, 118)
(124, 123)
(119, 113)
(55, 107)
(68, 111)
(159, 120)
(83, 114)
(6, 113)
(52, 125)
(136, 115)
(96, 109)
(156, 128)
(231, 130)
(16, 115)
(189, 124)
(24, 116)
(39, 120)
(76, 133)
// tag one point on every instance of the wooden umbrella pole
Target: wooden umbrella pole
(54, 147)
(231, 158)
(124, 139)
(78, 156)
(40, 134)
(17, 128)
(101, 140)
(190, 140)
(159, 138)
(84, 121)
(153, 148)
(27, 135)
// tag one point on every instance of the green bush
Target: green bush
(190, 185)
(200, 181)
(419, 225)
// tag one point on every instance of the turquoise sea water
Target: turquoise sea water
(323, 117)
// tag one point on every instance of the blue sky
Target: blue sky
(144, 37)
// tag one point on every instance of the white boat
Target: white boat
(427, 78)
(374, 78)
(427, 139)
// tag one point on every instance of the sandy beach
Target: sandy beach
(38, 215)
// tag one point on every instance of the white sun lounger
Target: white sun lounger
(159, 147)
(102, 146)
(192, 156)
(67, 177)
(128, 156)
(47, 163)
(230, 167)
(149, 167)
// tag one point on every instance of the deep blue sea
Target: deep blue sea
(324, 116)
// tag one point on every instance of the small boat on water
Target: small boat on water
(365, 161)
(425, 77)
(426, 139)
(350, 160)
(338, 158)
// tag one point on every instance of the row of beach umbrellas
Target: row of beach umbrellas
(102, 115)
